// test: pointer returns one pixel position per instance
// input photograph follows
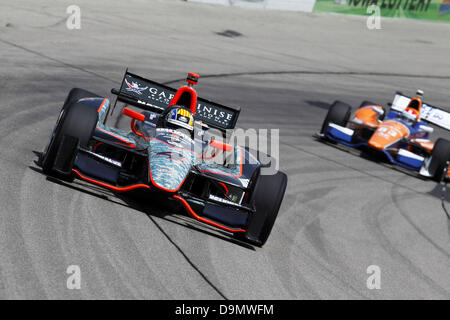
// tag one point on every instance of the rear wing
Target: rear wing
(150, 95)
(428, 113)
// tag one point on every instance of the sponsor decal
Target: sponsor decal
(153, 94)
(213, 197)
(411, 5)
(416, 9)
(109, 160)
(134, 87)
(160, 95)
(438, 116)
(444, 8)
(215, 114)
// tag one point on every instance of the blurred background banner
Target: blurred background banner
(417, 9)
(291, 5)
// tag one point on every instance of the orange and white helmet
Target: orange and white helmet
(415, 105)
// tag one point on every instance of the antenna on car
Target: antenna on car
(117, 92)
(192, 79)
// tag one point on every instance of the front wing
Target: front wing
(401, 157)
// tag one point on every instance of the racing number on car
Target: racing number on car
(386, 132)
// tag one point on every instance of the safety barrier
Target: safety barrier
(417, 9)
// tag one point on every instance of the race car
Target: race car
(401, 134)
(168, 153)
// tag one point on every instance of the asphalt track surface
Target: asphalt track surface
(341, 212)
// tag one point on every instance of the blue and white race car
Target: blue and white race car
(401, 135)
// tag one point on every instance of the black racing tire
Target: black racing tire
(47, 158)
(267, 197)
(439, 157)
(76, 120)
(339, 113)
(76, 94)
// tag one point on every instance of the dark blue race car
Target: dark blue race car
(171, 152)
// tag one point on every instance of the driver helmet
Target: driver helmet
(414, 106)
(408, 116)
(180, 117)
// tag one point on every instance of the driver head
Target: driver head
(180, 118)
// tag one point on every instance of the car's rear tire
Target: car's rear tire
(439, 157)
(339, 113)
(75, 120)
(267, 197)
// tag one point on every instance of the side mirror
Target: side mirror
(380, 111)
(426, 128)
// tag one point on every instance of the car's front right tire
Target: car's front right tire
(76, 120)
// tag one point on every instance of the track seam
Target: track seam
(55, 60)
(306, 72)
(237, 74)
(187, 258)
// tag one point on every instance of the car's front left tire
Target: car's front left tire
(76, 121)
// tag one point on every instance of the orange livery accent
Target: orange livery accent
(414, 106)
(101, 106)
(133, 128)
(106, 185)
(424, 143)
(184, 93)
(226, 174)
(220, 145)
(224, 186)
(368, 116)
(133, 114)
(388, 133)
